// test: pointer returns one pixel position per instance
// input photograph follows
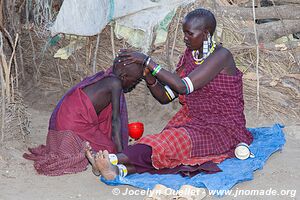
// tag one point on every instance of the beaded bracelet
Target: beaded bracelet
(122, 170)
(156, 69)
(113, 159)
(188, 84)
(170, 94)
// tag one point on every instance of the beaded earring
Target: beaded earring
(206, 45)
(209, 39)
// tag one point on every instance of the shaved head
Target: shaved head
(202, 19)
(130, 75)
(133, 69)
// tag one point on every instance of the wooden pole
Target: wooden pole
(257, 60)
(1, 13)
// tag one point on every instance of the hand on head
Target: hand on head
(128, 56)
(130, 74)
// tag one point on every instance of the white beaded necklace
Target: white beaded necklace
(195, 53)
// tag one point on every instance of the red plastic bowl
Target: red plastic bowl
(136, 130)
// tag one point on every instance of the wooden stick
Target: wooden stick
(175, 36)
(236, 12)
(21, 59)
(5, 66)
(89, 54)
(16, 71)
(271, 31)
(13, 52)
(12, 89)
(95, 53)
(286, 31)
(75, 61)
(288, 1)
(167, 47)
(257, 59)
(2, 88)
(13, 57)
(59, 73)
(34, 57)
(88, 44)
(112, 38)
(27, 13)
(1, 12)
(70, 75)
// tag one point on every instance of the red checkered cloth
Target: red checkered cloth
(216, 112)
(208, 126)
(172, 147)
(62, 154)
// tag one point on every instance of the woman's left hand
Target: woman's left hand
(128, 56)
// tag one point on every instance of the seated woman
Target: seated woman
(211, 121)
(92, 111)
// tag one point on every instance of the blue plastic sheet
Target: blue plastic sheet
(267, 140)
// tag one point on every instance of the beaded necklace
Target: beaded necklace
(195, 53)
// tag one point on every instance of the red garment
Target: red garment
(209, 125)
(74, 121)
(216, 111)
(78, 114)
(172, 147)
(140, 156)
(63, 154)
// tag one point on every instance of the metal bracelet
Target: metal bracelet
(145, 60)
(148, 61)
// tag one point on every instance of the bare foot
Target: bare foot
(108, 171)
(91, 157)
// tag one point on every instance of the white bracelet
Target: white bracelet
(189, 85)
(170, 91)
(122, 170)
(113, 159)
(148, 61)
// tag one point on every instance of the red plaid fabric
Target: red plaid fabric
(63, 154)
(172, 147)
(216, 119)
(169, 147)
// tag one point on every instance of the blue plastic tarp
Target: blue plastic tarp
(267, 140)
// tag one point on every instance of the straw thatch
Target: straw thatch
(14, 121)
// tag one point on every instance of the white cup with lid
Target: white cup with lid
(243, 152)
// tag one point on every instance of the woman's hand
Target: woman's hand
(128, 56)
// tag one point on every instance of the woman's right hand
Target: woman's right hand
(128, 56)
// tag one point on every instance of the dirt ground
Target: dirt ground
(18, 179)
